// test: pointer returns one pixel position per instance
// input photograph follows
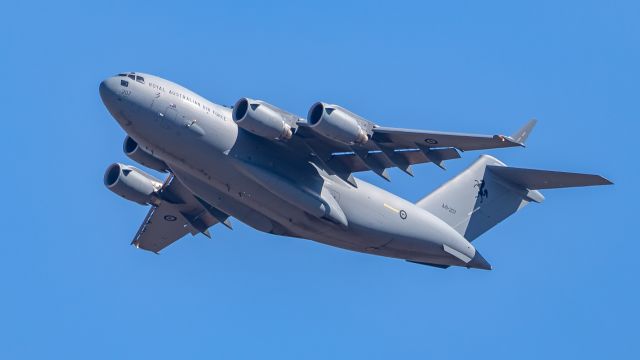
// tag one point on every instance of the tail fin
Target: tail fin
(488, 192)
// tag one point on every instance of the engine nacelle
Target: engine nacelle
(339, 124)
(264, 119)
(133, 150)
(131, 183)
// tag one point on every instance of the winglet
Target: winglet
(521, 135)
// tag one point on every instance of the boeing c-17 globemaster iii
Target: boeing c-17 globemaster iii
(286, 175)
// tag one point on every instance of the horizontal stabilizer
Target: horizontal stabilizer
(543, 179)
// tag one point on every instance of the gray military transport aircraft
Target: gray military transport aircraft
(285, 175)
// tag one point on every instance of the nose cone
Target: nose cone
(108, 91)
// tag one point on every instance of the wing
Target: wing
(175, 213)
(464, 142)
(401, 148)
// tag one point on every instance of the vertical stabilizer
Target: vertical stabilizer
(488, 192)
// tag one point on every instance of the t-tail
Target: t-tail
(489, 191)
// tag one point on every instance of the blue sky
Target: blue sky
(565, 279)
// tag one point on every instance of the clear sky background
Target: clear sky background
(565, 278)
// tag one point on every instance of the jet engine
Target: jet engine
(131, 183)
(339, 124)
(133, 150)
(264, 119)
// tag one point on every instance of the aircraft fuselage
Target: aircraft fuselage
(266, 185)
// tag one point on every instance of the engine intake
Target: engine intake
(264, 119)
(339, 124)
(133, 150)
(131, 183)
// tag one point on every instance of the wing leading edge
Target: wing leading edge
(408, 138)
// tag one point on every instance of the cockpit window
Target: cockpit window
(122, 74)
(132, 77)
(124, 83)
(140, 79)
